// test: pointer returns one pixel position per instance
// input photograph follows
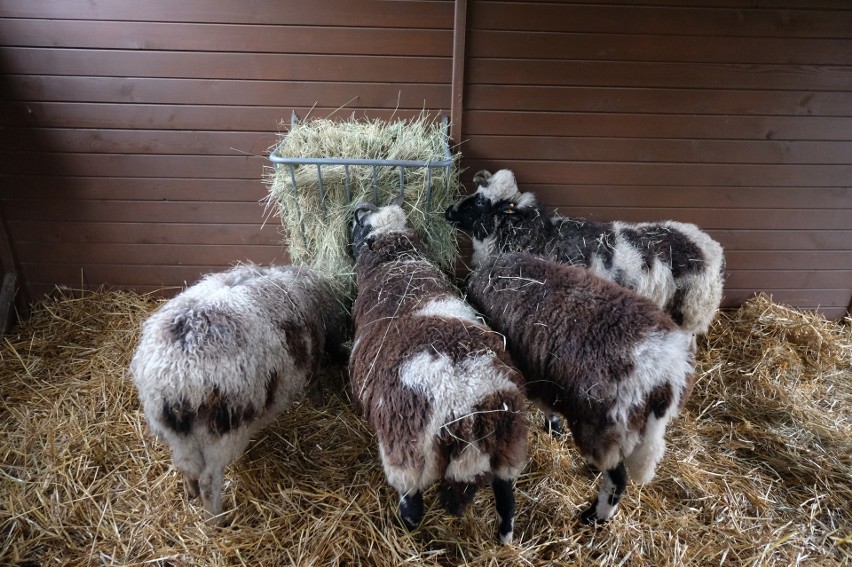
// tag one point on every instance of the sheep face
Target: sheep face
(369, 222)
(497, 196)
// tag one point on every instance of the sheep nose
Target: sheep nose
(448, 214)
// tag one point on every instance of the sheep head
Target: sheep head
(370, 221)
(496, 195)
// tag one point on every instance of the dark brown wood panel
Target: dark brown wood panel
(676, 48)
(353, 13)
(138, 141)
(88, 253)
(168, 36)
(64, 210)
(641, 100)
(806, 298)
(640, 74)
(659, 20)
(668, 126)
(537, 148)
(139, 277)
(212, 92)
(147, 233)
(136, 189)
(769, 279)
(224, 118)
(222, 66)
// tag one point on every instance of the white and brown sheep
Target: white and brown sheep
(225, 357)
(433, 382)
(676, 265)
(608, 360)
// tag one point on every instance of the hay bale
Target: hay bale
(316, 223)
(757, 471)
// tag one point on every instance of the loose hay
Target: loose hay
(758, 469)
(317, 225)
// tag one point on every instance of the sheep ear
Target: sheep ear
(482, 177)
(398, 201)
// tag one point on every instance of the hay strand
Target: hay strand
(757, 471)
(315, 206)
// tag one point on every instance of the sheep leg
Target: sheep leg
(411, 509)
(455, 496)
(210, 485)
(191, 484)
(613, 484)
(552, 424)
(504, 501)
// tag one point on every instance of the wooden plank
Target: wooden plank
(124, 276)
(169, 36)
(658, 101)
(356, 13)
(658, 20)
(766, 279)
(130, 189)
(141, 165)
(659, 150)
(641, 74)
(663, 125)
(680, 48)
(384, 93)
(784, 239)
(46, 232)
(784, 259)
(186, 117)
(136, 141)
(134, 211)
(90, 253)
(8, 288)
(223, 66)
(685, 174)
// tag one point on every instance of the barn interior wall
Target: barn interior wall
(729, 115)
(154, 121)
(134, 135)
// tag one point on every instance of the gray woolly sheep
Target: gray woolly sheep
(676, 265)
(431, 379)
(225, 357)
(610, 361)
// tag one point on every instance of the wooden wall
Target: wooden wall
(134, 133)
(737, 117)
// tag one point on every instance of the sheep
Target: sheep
(433, 382)
(610, 361)
(675, 264)
(225, 357)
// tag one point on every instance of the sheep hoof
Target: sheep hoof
(553, 426)
(590, 516)
(411, 510)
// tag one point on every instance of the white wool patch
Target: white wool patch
(501, 187)
(388, 219)
(483, 249)
(449, 307)
(453, 391)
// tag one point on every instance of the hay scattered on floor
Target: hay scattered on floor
(317, 230)
(758, 469)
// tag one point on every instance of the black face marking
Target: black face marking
(475, 215)
(361, 229)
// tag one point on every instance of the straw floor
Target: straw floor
(758, 470)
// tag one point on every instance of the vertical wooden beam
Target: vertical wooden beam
(12, 286)
(457, 86)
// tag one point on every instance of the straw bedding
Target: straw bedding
(758, 471)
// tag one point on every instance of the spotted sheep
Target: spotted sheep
(676, 265)
(433, 382)
(225, 357)
(613, 364)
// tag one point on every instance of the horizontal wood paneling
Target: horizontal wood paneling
(734, 116)
(348, 13)
(254, 38)
(134, 136)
